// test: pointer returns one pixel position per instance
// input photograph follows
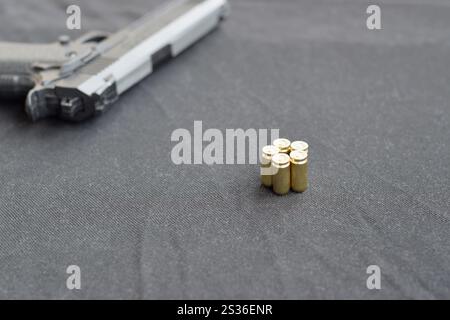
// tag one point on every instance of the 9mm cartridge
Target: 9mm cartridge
(282, 144)
(281, 180)
(299, 146)
(299, 171)
(266, 165)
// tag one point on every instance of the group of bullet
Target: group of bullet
(284, 166)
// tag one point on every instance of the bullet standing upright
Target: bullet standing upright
(266, 165)
(299, 146)
(281, 180)
(299, 171)
(282, 144)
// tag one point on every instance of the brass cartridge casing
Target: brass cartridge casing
(266, 165)
(282, 144)
(281, 180)
(299, 146)
(299, 171)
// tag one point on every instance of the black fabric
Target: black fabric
(104, 195)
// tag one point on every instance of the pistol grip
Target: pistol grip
(15, 86)
(17, 75)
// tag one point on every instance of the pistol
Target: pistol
(76, 80)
